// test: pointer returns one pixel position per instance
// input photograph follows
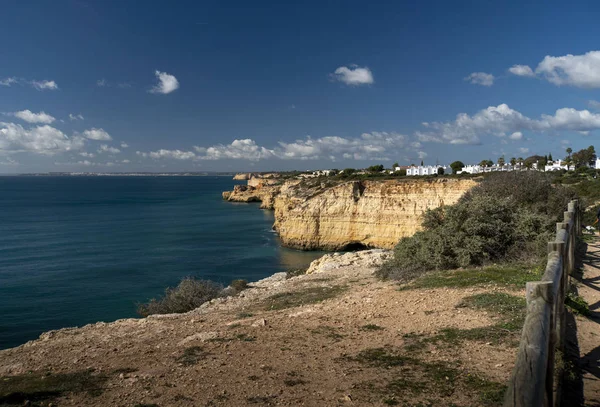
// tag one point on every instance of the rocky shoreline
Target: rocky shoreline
(284, 341)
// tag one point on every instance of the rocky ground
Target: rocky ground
(335, 337)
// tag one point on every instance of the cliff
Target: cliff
(360, 213)
(329, 215)
(247, 193)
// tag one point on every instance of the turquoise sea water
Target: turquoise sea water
(77, 250)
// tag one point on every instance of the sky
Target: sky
(117, 86)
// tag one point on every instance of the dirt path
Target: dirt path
(588, 328)
(338, 337)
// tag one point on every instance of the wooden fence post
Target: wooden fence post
(531, 383)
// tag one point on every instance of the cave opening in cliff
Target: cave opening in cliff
(354, 247)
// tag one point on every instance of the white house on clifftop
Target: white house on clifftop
(426, 169)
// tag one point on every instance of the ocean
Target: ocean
(78, 250)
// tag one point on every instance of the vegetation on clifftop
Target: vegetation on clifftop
(189, 295)
(508, 217)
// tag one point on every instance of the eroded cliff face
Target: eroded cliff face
(246, 193)
(360, 213)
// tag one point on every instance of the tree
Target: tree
(395, 165)
(585, 157)
(520, 161)
(348, 171)
(513, 161)
(529, 161)
(486, 163)
(421, 163)
(550, 158)
(501, 161)
(569, 151)
(457, 166)
(375, 168)
(568, 162)
(440, 171)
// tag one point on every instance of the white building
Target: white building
(478, 169)
(598, 163)
(426, 169)
(560, 165)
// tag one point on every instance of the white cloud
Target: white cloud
(422, 154)
(523, 150)
(582, 71)
(245, 149)
(481, 78)
(501, 120)
(571, 119)
(101, 83)
(369, 146)
(521, 70)
(87, 155)
(44, 85)
(39, 85)
(517, 135)
(124, 144)
(97, 134)
(104, 148)
(353, 75)
(594, 104)
(372, 145)
(174, 154)
(30, 117)
(166, 83)
(125, 161)
(44, 140)
(8, 81)
(74, 117)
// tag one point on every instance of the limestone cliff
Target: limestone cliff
(246, 193)
(360, 213)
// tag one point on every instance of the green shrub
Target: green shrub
(239, 285)
(508, 216)
(188, 295)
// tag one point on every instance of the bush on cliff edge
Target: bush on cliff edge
(507, 217)
(188, 295)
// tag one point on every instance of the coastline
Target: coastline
(271, 285)
(283, 341)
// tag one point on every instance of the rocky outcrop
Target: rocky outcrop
(246, 193)
(242, 177)
(364, 259)
(360, 214)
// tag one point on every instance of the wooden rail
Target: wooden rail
(532, 380)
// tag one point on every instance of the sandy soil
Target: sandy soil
(238, 351)
(588, 328)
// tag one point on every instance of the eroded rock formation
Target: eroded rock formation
(361, 213)
(246, 193)
(351, 215)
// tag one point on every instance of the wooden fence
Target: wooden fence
(532, 380)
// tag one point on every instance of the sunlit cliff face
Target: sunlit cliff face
(361, 214)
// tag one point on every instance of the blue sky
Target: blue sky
(234, 86)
